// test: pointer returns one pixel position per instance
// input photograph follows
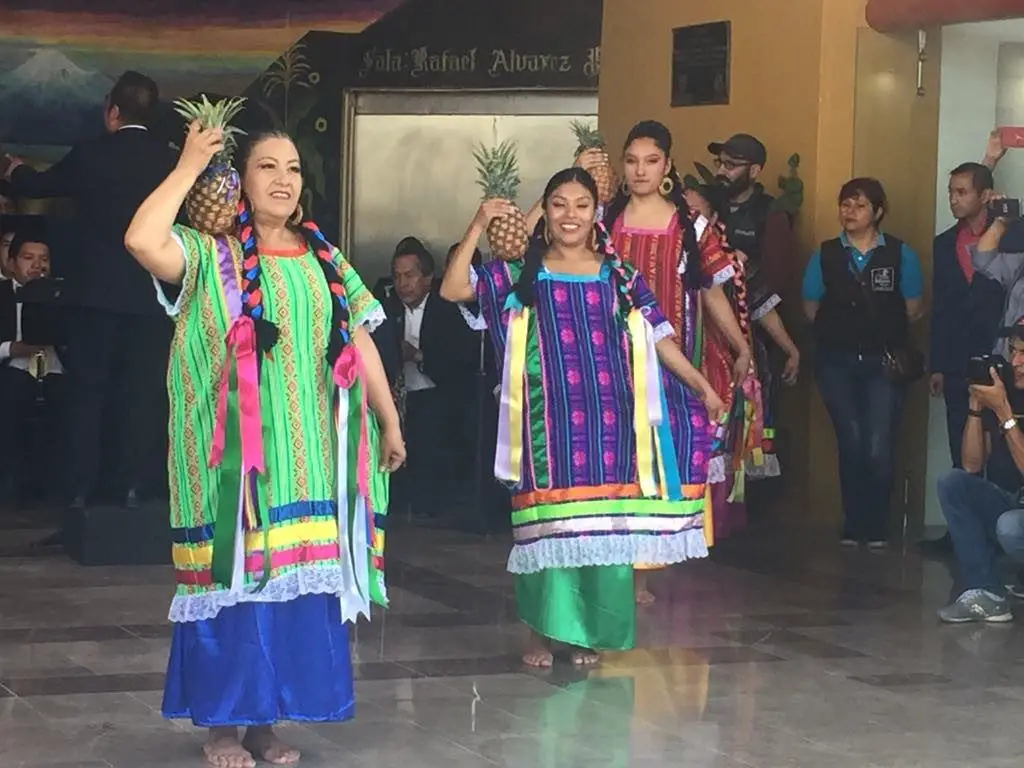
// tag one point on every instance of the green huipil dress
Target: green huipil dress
(289, 553)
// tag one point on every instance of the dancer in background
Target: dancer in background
(271, 369)
(601, 480)
(682, 259)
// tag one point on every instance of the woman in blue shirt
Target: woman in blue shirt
(861, 291)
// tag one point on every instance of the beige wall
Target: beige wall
(807, 76)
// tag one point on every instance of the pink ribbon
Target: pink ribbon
(241, 347)
(347, 369)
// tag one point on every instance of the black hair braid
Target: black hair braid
(533, 260)
(340, 311)
(693, 272)
(615, 208)
(621, 281)
(252, 274)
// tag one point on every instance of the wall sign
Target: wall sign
(477, 67)
(700, 64)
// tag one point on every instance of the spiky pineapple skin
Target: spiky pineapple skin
(507, 236)
(212, 203)
(604, 174)
(606, 180)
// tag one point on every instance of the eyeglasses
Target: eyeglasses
(731, 165)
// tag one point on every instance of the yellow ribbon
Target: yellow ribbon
(518, 331)
(645, 459)
(709, 518)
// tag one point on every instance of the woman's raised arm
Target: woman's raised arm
(148, 237)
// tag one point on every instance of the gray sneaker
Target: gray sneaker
(976, 605)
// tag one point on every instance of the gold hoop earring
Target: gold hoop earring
(666, 186)
(296, 218)
(594, 240)
(547, 236)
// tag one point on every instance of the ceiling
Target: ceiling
(1007, 30)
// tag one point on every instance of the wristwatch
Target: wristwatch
(1008, 425)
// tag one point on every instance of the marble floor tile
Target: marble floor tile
(774, 652)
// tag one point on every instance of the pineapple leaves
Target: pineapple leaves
(498, 170)
(215, 115)
(588, 136)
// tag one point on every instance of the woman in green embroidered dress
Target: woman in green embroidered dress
(276, 516)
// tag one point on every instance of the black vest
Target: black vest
(844, 320)
(744, 226)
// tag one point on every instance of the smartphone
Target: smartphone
(1005, 208)
(979, 369)
(1012, 137)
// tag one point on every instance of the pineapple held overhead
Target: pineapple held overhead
(604, 175)
(212, 204)
(498, 168)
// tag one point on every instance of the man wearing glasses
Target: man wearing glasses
(763, 235)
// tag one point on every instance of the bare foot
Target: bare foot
(582, 657)
(644, 598)
(223, 750)
(538, 655)
(643, 595)
(264, 744)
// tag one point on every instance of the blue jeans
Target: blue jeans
(865, 408)
(982, 519)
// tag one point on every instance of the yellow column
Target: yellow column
(806, 76)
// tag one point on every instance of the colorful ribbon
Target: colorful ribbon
(508, 458)
(241, 350)
(642, 405)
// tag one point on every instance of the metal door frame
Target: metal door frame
(356, 101)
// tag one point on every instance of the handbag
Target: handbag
(902, 363)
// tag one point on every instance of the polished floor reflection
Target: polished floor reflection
(775, 652)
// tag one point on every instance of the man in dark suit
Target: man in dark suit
(31, 374)
(967, 307)
(119, 337)
(437, 351)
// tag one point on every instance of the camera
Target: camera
(978, 370)
(1005, 208)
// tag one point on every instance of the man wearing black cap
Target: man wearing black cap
(764, 235)
(983, 502)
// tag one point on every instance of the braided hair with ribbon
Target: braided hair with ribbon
(673, 192)
(623, 279)
(717, 198)
(251, 287)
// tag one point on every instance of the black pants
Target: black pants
(30, 440)
(425, 482)
(954, 392)
(118, 373)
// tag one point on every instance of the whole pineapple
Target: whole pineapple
(498, 168)
(212, 203)
(604, 175)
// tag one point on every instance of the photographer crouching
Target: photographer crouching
(983, 502)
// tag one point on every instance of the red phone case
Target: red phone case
(1013, 137)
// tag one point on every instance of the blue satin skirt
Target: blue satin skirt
(259, 663)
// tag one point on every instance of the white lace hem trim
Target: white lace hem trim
(374, 319)
(628, 549)
(716, 470)
(769, 468)
(328, 580)
(663, 331)
(769, 304)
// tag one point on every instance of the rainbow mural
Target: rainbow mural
(57, 63)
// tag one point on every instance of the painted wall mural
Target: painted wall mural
(57, 63)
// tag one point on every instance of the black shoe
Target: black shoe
(131, 501)
(78, 503)
(940, 546)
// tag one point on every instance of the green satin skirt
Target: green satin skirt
(591, 607)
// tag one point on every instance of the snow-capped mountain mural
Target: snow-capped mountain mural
(49, 99)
